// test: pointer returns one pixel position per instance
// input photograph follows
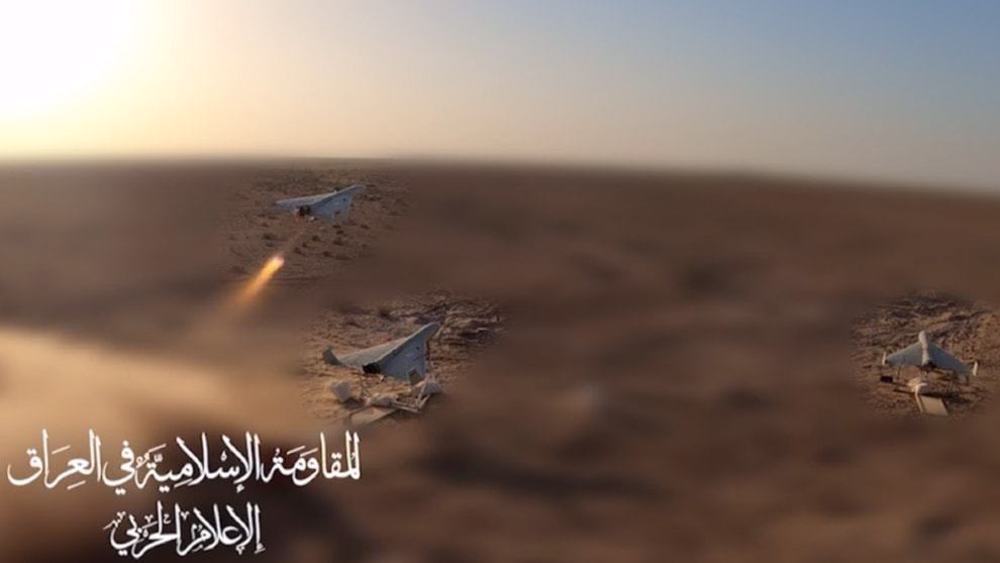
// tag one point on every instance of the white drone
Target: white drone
(928, 357)
(332, 206)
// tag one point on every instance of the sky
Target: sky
(894, 89)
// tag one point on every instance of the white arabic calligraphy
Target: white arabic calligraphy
(237, 464)
(190, 530)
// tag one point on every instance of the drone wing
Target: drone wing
(291, 204)
(409, 356)
(912, 355)
(945, 361)
(368, 356)
(399, 358)
(337, 205)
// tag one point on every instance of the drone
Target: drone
(332, 206)
(929, 358)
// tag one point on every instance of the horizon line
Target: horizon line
(845, 180)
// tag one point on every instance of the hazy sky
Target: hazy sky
(893, 88)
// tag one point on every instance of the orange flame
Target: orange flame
(257, 284)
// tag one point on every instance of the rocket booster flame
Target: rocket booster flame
(253, 288)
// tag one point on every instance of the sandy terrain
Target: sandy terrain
(667, 366)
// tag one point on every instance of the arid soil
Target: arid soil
(639, 367)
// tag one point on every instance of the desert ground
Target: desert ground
(638, 366)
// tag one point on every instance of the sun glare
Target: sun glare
(53, 52)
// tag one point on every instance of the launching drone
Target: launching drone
(332, 206)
